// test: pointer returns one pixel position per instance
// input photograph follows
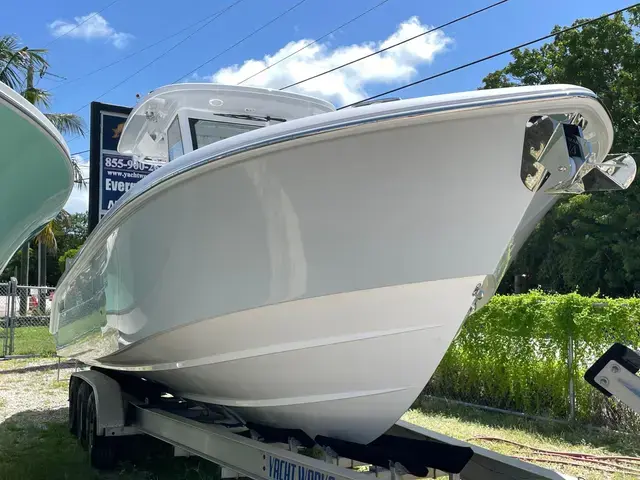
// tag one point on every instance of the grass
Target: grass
(35, 451)
(38, 340)
(465, 423)
(50, 452)
(59, 384)
(33, 341)
(29, 450)
(16, 363)
(36, 444)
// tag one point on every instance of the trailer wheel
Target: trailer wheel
(73, 406)
(84, 390)
(102, 450)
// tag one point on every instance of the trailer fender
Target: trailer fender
(110, 413)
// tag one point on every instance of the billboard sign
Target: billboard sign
(110, 173)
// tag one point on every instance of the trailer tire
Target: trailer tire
(74, 384)
(84, 390)
(102, 450)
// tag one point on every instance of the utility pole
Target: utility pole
(520, 283)
(24, 260)
(42, 277)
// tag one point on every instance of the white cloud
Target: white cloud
(79, 199)
(94, 26)
(346, 85)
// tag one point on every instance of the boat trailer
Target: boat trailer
(106, 406)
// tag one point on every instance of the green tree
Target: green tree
(70, 233)
(587, 242)
(62, 261)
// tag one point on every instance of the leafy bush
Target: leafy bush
(513, 354)
(62, 261)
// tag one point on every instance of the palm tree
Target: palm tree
(15, 60)
(18, 66)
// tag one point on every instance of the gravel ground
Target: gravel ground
(32, 384)
(35, 442)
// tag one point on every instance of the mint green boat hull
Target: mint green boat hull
(36, 176)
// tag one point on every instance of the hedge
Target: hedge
(513, 354)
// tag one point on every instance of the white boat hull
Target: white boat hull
(334, 364)
(313, 283)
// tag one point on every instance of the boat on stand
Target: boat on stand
(306, 267)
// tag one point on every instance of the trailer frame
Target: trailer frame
(103, 409)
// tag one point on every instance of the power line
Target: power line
(164, 39)
(71, 30)
(79, 153)
(494, 55)
(476, 12)
(57, 77)
(316, 40)
(81, 23)
(469, 15)
(176, 45)
(242, 40)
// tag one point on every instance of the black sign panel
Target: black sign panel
(112, 125)
(110, 173)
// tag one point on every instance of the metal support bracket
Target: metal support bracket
(614, 374)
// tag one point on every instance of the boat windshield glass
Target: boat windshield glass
(204, 132)
(174, 140)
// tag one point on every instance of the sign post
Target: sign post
(110, 173)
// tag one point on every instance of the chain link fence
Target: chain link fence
(24, 320)
(4, 318)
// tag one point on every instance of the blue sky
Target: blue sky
(130, 25)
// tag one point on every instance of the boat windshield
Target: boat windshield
(205, 132)
(174, 140)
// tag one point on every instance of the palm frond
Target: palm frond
(36, 58)
(16, 59)
(78, 177)
(70, 124)
(63, 218)
(47, 236)
(37, 96)
(12, 68)
(67, 123)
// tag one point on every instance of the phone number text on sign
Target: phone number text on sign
(119, 174)
(128, 164)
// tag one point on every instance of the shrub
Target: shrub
(513, 354)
